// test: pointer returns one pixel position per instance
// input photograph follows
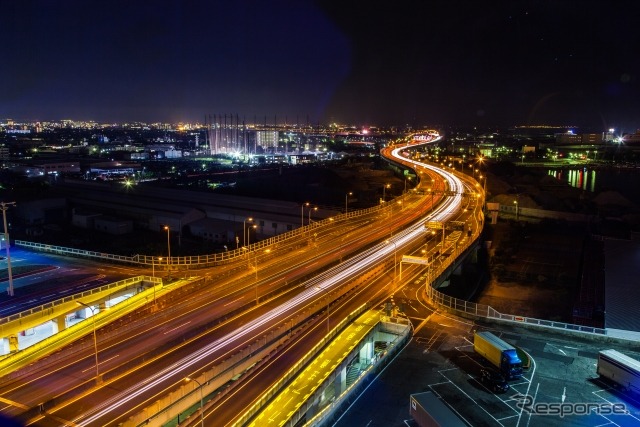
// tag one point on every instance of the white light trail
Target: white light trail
(319, 284)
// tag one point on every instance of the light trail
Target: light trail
(319, 284)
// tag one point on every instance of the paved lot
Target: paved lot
(440, 358)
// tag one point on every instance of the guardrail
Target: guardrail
(463, 307)
(52, 304)
(203, 260)
(296, 368)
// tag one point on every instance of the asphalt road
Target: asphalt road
(440, 358)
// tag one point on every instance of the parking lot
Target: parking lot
(441, 359)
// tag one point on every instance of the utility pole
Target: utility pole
(4, 206)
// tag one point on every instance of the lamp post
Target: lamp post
(516, 203)
(405, 190)
(383, 191)
(95, 338)
(266, 251)
(249, 234)
(314, 209)
(166, 227)
(244, 230)
(302, 213)
(395, 264)
(328, 300)
(346, 201)
(433, 192)
(153, 264)
(4, 206)
(201, 399)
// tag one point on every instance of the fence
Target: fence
(467, 308)
(126, 283)
(205, 260)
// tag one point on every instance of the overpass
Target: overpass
(103, 304)
(362, 348)
(329, 283)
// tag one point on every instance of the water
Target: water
(624, 181)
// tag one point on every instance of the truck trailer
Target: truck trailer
(619, 368)
(429, 411)
(501, 354)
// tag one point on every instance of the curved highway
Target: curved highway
(90, 409)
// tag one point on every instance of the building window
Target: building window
(274, 225)
(261, 223)
(289, 227)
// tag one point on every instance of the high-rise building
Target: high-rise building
(267, 139)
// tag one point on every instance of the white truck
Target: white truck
(500, 353)
(619, 368)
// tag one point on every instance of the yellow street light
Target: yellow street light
(166, 227)
(383, 191)
(244, 230)
(346, 201)
(302, 213)
(187, 379)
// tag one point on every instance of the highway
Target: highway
(149, 356)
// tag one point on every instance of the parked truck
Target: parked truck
(619, 368)
(429, 411)
(500, 353)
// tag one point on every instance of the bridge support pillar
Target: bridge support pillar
(12, 341)
(366, 352)
(312, 409)
(458, 270)
(60, 324)
(340, 383)
(474, 254)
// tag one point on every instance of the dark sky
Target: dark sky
(424, 62)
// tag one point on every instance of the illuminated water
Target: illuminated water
(623, 181)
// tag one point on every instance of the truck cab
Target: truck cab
(499, 353)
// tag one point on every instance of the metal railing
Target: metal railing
(460, 306)
(204, 260)
(44, 307)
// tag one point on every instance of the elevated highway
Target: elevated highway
(234, 315)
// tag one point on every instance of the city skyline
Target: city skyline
(494, 64)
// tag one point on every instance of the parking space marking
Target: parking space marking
(449, 381)
(611, 402)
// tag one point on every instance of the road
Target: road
(148, 356)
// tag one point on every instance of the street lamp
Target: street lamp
(395, 263)
(405, 183)
(187, 379)
(315, 208)
(166, 227)
(249, 234)
(153, 265)
(383, 191)
(405, 190)
(266, 251)
(516, 203)
(153, 273)
(302, 213)
(95, 339)
(328, 300)
(346, 201)
(244, 229)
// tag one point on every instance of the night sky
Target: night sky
(447, 62)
